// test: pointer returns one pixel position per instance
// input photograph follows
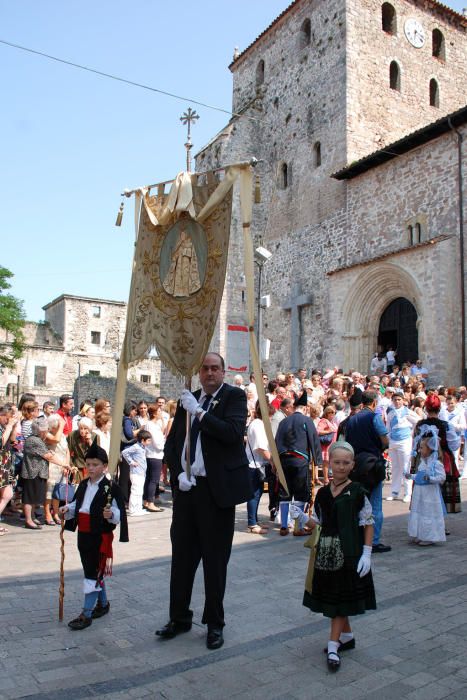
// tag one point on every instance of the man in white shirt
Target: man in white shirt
(212, 477)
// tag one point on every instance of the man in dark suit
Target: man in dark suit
(205, 497)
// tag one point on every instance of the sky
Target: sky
(72, 141)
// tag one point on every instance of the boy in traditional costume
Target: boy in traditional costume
(97, 508)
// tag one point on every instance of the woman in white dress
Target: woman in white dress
(426, 519)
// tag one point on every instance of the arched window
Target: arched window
(411, 237)
(438, 48)
(260, 73)
(434, 93)
(418, 233)
(317, 154)
(388, 18)
(395, 76)
(283, 176)
(305, 34)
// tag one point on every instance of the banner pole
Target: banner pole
(188, 433)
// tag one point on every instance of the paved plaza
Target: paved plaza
(414, 646)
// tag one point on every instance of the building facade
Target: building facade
(77, 345)
(368, 258)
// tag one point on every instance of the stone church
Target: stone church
(356, 111)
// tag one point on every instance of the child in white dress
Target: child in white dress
(426, 519)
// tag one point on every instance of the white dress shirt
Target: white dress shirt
(198, 468)
(91, 490)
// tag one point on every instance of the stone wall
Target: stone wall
(68, 356)
(92, 388)
(378, 115)
(422, 185)
(334, 90)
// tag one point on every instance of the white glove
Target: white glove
(364, 564)
(297, 513)
(184, 482)
(189, 402)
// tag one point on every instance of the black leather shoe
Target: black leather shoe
(100, 611)
(334, 661)
(171, 629)
(215, 638)
(380, 548)
(80, 623)
(343, 646)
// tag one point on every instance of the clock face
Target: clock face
(414, 33)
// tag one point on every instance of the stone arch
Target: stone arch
(373, 290)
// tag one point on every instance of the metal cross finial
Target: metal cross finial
(187, 119)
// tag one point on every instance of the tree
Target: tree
(11, 320)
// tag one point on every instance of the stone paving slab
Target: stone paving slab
(413, 646)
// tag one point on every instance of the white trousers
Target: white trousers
(399, 454)
(135, 504)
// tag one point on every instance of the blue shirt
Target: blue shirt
(363, 432)
(135, 455)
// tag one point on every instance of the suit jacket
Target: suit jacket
(298, 432)
(222, 431)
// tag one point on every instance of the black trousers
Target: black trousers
(200, 531)
(153, 475)
(88, 547)
(297, 475)
(124, 479)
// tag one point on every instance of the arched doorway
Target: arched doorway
(398, 329)
(367, 294)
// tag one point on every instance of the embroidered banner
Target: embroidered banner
(178, 281)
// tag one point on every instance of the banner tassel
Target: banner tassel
(120, 215)
(257, 190)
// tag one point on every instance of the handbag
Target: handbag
(63, 491)
(261, 467)
(326, 439)
(7, 470)
(312, 544)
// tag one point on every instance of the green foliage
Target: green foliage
(11, 320)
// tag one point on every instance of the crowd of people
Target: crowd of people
(396, 402)
(43, 455)
(44, 448)
(338, 437)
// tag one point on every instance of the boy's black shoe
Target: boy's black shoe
(100, 610)
(80, 623)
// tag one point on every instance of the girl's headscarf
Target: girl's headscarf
(432, 434)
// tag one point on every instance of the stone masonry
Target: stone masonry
(80, 338)
(313, 96)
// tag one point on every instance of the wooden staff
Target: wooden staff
(61, 589)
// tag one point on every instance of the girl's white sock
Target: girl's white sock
(346, 637)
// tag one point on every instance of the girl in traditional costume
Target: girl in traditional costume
(426, 519)
(341, 583)
(449, 442)
(97, 508)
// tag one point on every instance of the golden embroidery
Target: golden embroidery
(181, 310)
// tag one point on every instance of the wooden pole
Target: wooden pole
(188, 433)
(61, 590)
